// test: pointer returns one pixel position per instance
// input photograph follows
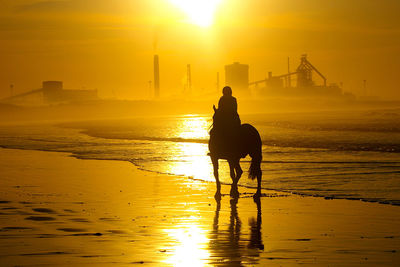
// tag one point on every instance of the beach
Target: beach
(114, 114)
(59, 210)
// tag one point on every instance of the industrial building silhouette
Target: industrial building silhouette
(305, 85)
(237, 76)
(53, 92)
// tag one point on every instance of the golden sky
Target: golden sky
(108, 44)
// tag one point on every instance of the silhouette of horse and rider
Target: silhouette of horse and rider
(231, 140)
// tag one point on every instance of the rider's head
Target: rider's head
(227, 91)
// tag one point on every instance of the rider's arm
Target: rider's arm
(220, 103)
(235, 105)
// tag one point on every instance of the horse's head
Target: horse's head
(215, 113)
(216, 116)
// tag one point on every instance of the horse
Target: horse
(248, 142)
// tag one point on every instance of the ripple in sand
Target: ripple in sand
(71, 230)
(9, 208)
(21, 212)
(116, 231)
(26, 202)
(4, 201)
(79, 220)
(88, 234)
(40, 218)
(45, 253)
(43, 210)
(47, 236)
(109, 219)
(71, 211)
(9, 228)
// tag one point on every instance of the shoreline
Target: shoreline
(69, 211)
(71, 154)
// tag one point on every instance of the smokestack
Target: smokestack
(156, 77)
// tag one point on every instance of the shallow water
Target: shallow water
(355, 159)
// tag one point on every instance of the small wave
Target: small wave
(147, 138)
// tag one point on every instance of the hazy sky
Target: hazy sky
(109, 44)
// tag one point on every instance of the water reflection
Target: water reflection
(190, 159)
(231, 247)
(255, 228)
(193, 128)
(228, 243)
(189, 244)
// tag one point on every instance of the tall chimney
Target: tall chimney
(156, 77)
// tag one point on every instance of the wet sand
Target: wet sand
(58, 210)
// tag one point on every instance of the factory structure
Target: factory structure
(298, 83)
(237, 76)
(303, 84)
(53, 92)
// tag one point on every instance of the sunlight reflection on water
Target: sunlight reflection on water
(190, 159)
(193, 128)
(190, 247)
(195, 163)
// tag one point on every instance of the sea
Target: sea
(343, 155)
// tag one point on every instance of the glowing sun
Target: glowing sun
(200, 12)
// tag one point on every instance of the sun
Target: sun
(200, 12)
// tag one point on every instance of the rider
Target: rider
(229, 121)
(227, 106)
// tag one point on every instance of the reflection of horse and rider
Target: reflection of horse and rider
(234, 245)
(231, 140)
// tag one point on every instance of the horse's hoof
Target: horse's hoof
(257, 195)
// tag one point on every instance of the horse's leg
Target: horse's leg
(214, 161)
(258, 193)
(239, 170)
(232, 171)
(234, 189)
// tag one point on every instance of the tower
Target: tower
(156, 77)
(237, 76)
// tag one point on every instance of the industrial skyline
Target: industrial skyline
(236, 76)
(104, 46)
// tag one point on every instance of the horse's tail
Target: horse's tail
(256, 155)
(255, 167)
